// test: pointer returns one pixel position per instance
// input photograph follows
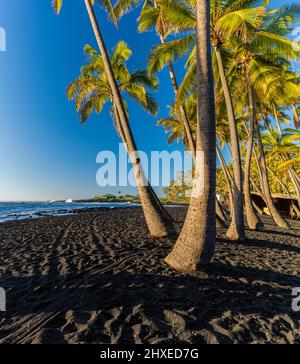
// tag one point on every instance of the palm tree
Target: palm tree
(196, 242)
(153, 16)
(261, 55)
(175, 129)
(252, 219)
(282, 146)
(156, 217)
(228, 19)
(91, 90)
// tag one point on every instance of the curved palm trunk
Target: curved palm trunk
(196, 242)
(252, 219)
(189, 134)
(297, 189)
(286, 191)
(296, 184)
(277, 120)
(182, 110)
(156, 221)
(283, 186)
(123, 138)
(236, 230)
(228, 177)
(295, 117)
(292, 176)
(266, 186)
(187, 127)
(183, 113)
(219, 211)
(257, 208)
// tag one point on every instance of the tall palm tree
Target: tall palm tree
(153, 16)
(196, 242)
(228, 19)
(176, 131)
(252, 219)
(155, 215)
(261, 55)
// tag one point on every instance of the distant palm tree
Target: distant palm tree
(283, 146)
(157, 218)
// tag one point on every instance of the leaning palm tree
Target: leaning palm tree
(196, 242)
(156, 217)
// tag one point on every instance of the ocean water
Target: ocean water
(10, 211)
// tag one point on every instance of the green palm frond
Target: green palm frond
(189, 83)
(123, 7)
(91, 90)
(242, 23)
(168, 52)
(107, 5)
(121, 53)
(290, 163)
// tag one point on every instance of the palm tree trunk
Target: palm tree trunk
(123, 138)
(156, 221)
(277, 121)
(293, 177)
(286, 191)
(182, 110)
(228, 177)
(187, 128)
(219, 211)
(266, 186)
(295, 117)
(283, 186)
(119, 126)
(183, 113)
(196, 243)
(251, 217)
(257, 208)
(236, 230)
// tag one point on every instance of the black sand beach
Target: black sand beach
(97, 277)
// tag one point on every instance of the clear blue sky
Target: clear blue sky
(44, 151)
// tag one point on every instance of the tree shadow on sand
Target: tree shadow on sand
(258, 243)
(128, 299)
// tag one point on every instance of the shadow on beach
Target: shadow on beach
(92, 286)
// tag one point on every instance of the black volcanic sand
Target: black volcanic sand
(97, 277)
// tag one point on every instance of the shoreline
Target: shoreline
(40, 210)
(98, 277)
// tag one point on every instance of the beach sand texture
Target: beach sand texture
(97, 277)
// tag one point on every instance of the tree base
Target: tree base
(173, 263)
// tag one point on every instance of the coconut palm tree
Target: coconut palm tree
(196, 242)
(156, 217)
(232, 21)
(175, 129)
(91, 90)
(283, 146)
(262, 55)
(153, 17)
(226, 18)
